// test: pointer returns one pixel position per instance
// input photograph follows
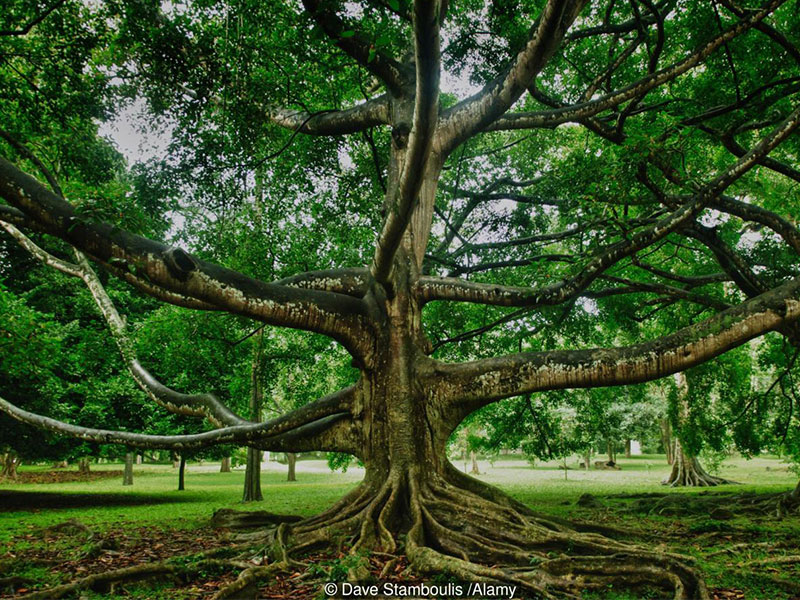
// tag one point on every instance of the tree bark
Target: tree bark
(627, 448)
(225, 465)
(176, 459)
(83, 466)
(291, 461)
(252, 477)
(182, 474)
(127, 476)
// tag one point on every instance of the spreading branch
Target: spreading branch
(474, 114)
(582, 111)
(361, 117)
(433, 288)
(468, 386)
(194, 405)
(294, 432)
(176, 271)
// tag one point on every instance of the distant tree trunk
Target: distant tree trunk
(291, 460)
(252, 473)
(176, 460)
(252, 477)
(610, 450)
(127, 476)
(587, 457)
(474, 457)
(225, 465)
(10, 464)
(181, 474)
(139, 459)
(627, 448)
(566, 468)
(666, 438)
(687, 471)
(83, 466)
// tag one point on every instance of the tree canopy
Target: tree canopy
(476, 201)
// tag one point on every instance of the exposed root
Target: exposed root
(450, 524)
(103, 582)
(249, 579)
(466, 529)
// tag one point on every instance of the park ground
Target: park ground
(52, 531)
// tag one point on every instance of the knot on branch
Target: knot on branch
(179, 263)
(400, 135)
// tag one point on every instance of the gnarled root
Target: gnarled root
(459, 532)
(458, 526)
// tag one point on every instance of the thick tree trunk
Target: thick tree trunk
(687, 471)
(627, 448)
(127, 476)
(83, 465)
(225, 465)
(182, 474)
(666, 438)
(291, 461)
(252, 477)
(474, 458)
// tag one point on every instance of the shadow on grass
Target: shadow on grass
(14, 500)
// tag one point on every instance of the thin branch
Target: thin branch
(581, 111)
(26, 29)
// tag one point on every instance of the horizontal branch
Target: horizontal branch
(178, 272)
(351, 282)
(301, 424)
(371, 113)
(468, 386)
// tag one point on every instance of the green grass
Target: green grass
(154, 502)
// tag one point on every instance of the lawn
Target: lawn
(152, 518)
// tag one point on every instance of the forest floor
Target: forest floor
(58, 528)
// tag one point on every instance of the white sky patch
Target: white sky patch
(133, 134)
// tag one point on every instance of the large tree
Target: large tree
(605, 149)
